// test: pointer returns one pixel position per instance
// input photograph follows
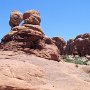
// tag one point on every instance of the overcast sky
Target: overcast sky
(63, 18)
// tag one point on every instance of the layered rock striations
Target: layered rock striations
(29, 37)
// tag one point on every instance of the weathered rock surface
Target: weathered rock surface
(20, 71)
(32, 17)
(29, 37)
(80, 45)
(61, 44)
(16, 18)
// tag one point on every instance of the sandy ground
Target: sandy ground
(19, 71)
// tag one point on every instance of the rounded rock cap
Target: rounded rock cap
(30, 12)
(16, 18)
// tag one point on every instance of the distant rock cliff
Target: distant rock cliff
(79, 46)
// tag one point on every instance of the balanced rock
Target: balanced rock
(30, 38)
(16, 18)
(32, 17)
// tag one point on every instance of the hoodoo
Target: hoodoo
(29, 37)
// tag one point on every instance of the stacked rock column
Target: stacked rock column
(29, 36)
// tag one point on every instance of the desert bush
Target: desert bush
(75, 59)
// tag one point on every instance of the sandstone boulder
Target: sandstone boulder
(32, 17)
(16, 18)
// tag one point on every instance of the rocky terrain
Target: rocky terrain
(61, 44)
(20, 71)
(29, 60)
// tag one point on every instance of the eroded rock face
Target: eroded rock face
(32, 17)
(30, 38)
(80, 45)
(20, 71)
(16, 18)
(61, 44)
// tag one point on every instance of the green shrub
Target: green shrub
(76, 60)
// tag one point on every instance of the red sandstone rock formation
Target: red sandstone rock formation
(29, 37)
(80, 45)
(61, 44)
(16, 18)
(32, 17)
